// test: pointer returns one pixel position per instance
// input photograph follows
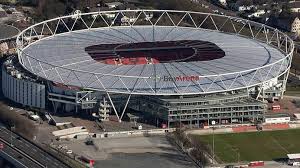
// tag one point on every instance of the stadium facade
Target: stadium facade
(174, 67)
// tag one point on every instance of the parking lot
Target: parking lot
(132, 152)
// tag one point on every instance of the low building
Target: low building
(9, 1)
(197, 111)
(2, 13)
(258, 13)
(99, 9)
(295, 26)
(21, 89)
(289, 23)
(277, 119)
(297, 116)
(4, 48)
(294, 159)
(223, 2)
(242, 8)
(113, 5)
(295, 6)
(129, 18)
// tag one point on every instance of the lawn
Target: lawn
(254, 146)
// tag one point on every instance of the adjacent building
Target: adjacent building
(2, 13)
(295, 26)
(197, 111)
(291, 23)
(294, 6)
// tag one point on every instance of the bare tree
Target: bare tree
(21, 124)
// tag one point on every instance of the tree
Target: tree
(28, 2)
(244, 2)
(286, 8)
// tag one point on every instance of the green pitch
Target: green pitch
(254, 146)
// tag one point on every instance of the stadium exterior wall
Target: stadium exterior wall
(24, 92)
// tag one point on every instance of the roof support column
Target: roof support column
(259, 92)
(285, 78)
(112, 104)
(125, 107)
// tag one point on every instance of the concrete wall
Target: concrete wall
(22, 91)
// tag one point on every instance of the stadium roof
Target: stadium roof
(62, 58)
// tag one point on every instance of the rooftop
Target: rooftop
(113, 4)
(164, 74)
(8, 31)
(2, 13)
(239, 103)
(295, 4)
(244, 57)
(294, 156)
(206, 98)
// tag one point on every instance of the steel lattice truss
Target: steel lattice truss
(255, 53)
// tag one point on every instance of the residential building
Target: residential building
(295, 26)
(113, 5)
(223, 2)
(291, 23)
(2, 13)
(295, 6)
(242, 8)
(258, 13)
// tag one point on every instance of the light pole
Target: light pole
(213, 146)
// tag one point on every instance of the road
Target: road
(39, 155)
(19, 157)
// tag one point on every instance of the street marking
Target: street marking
(13, 158)
(21, 152)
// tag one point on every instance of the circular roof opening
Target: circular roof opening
(155, 52)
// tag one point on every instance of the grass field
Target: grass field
(254, 146)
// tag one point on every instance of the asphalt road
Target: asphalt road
(21, 158)
(30, 149)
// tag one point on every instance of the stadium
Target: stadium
(168, 66)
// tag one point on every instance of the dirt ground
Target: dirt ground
(287, 105)
(105, 126)
(16, 118)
